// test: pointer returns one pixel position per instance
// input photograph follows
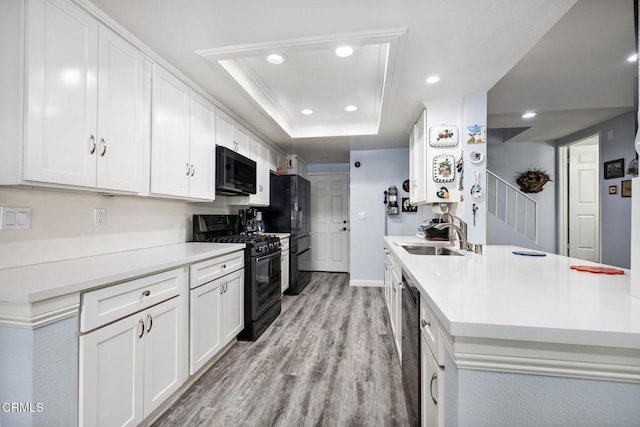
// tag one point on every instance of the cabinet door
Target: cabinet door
(413, 179)
(284, 270)
(260, 155)
(120, 114)
(432, 376)
(224, 131)
(397, 282)
(421, 158)
(205, 332)
(170, 167)
(165, 352)
(202, 149)
(62, 59)
(232, 306)
(111, 374)
(242, 140)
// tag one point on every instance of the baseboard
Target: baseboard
(369, 283)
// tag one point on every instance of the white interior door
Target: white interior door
(329, 222)
(584, 200)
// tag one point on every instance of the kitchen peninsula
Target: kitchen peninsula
(521, 338)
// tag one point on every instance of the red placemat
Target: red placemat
(596, 269)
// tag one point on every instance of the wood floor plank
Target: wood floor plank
(328, 360)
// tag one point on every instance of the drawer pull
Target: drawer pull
(223, 266)
(149, 322)
(141, 328)
(433, 378)
(426, 323)
(146, 293)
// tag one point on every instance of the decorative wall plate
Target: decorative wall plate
(444, 168)
(443, 193)
(476, 157)
(443, 136)
(476, 134)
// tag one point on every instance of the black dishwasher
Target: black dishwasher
(411, 350)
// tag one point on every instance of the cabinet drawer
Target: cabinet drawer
(105, 305)
(211, 269)
(429, 327)
(284, 244)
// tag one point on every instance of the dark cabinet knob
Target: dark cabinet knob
(344, 222)
(344, 228)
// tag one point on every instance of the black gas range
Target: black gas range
(262, 269)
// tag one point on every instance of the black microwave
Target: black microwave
(235, 174)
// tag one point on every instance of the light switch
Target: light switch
(15, 218)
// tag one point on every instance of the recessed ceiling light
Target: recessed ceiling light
(275, 58)
(350, 108)
(433, 79)
(344, 51)
(529, 115)
(307, 111)
(633, 58)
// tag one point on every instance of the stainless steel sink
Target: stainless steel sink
(430, 250)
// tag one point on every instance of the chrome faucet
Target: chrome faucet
(460, 230)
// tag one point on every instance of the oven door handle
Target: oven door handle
(271, 255)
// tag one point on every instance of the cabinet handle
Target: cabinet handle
(223, 266)
(146, 293)
(433, 378)
(226, 287)
(104, 147)
(221, 288)
(344, 228)
(188, 169)
(193, 170)
(141, 328)
(426, 323)
(149, 322)
(92, 143)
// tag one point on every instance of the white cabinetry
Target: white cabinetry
(284, 266)
(417, 162)
(393, 297)
(231, 135)
(182, 151)
(129, 367)
(277, 161)
(432, 367)
(216, 307)
(260, 154)
(85, 101)
(297, 166)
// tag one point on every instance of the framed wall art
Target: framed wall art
(625, 188)
(614, 169)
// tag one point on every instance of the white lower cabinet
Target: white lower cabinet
(393, 297)
(216, 315)
(284, 270)
(432, 381)
(131, 366)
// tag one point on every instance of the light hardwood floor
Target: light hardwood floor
(328, 360)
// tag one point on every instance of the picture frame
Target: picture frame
(613, 189)
(614, 169)
(625, 188)
(407, 206)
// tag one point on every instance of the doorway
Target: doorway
(330, 222)
(579, 199)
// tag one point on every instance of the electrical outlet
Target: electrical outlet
(15, 218)
(99, 217)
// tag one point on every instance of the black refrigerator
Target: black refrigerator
(289, 213)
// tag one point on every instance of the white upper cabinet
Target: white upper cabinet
(170, 167)
(202, 148)
(418, 158)
(85, 124)
(231, 135)
(62, 65)
(121, 113)
(183, 142)
(260, 154)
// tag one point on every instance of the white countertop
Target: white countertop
(280, 235)
(505, 296)
(39, 282)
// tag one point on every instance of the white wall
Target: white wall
(62, 224)
(328, 168)
(615, 210)
(507, 160)
(379, 169)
